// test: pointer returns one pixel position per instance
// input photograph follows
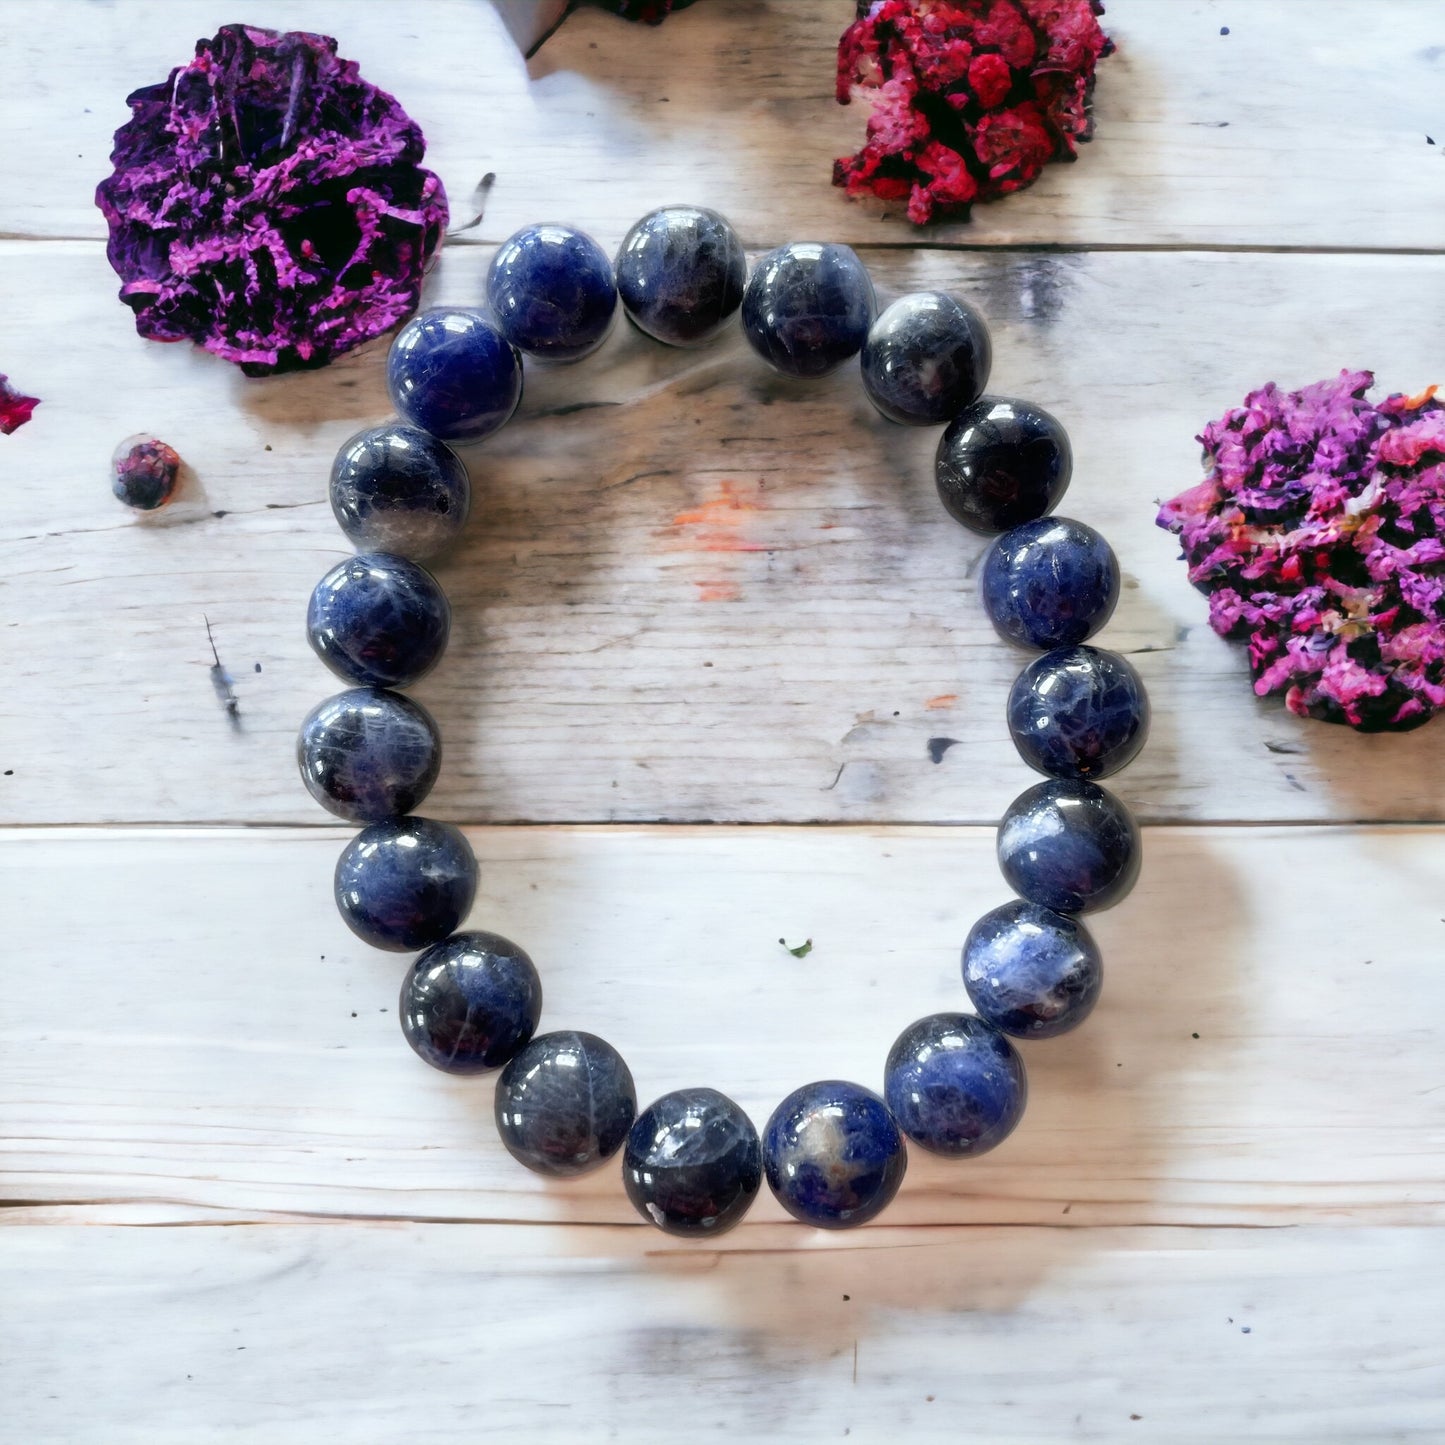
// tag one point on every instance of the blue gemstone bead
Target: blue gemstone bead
(1030, 971)
(1070, 846)
(552, 292)
(453, 374)
(369, 754)
(1001, 463)
(1078, 712)
(378, 620)
(926, 358)
(565, 1103)
(681, 273)
(808, 307)
(833, 1154)
(1050, 583)
(955, 1085)
(405, 883)
(396, 488)
(693, 1163)
(470, 1002)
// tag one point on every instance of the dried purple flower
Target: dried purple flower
(269, 203)
(650, 12)
(1319, 535)
(15, 406)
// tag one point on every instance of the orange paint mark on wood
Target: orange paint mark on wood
(717, 525)
(943, 700)
(717, 591)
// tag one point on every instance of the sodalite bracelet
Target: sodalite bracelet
(833, 1152)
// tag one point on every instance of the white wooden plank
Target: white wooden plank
(618, 651)
(189, 1027)
(1305, 125)
(357, 1333)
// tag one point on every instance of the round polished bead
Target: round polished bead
(926, 358)
(378, 620)
(552, 292)
(565, 1103)
(1050, 583)
(1068, 845)
(693, 1163)
(1078, 712)
(368, 754)
(955, 1084)
(453, 374)
(470, 1002)
(681, 273)
(396, 488)
(807, 308)
(1001, 463)
(405, 883)
(833, 1154)
(1030, 971)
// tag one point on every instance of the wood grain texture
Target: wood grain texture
(226, 1045)
(690, 590)
(163, 1337)
(1305, 125)
(237, 1208)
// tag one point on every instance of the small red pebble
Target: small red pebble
(971, 98)
(15, 409)
(143, 472)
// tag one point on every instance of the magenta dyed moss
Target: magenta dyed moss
(15, 407)
(1319, 535)
(269, 203)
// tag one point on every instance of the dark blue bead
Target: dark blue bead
(1070, 846)
(807, 308)
(833, 1154)
(681, 273)
(396, 488)
(1078, 712)
(470, 1002)
(955, 1085)
(1030, 971)
(926, 358)
(1001, 463)
(1050, 583)
(378, 620)
(405, 883)
(565, 1103)
(552, 292)
(453, 374)
(369, 754)
(693, 1163)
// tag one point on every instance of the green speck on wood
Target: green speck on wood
(802, 950)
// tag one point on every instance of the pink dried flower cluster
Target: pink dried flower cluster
(1319, 535)
(971, 98)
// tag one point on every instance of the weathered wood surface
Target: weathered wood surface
(194, 1030)
(1304, 126)
(703, 594)
(359, 1333)
(693, 593)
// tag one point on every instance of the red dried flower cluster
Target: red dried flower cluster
(971, 98)
(1319, 535)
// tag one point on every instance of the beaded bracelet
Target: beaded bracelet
(833, 1152)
